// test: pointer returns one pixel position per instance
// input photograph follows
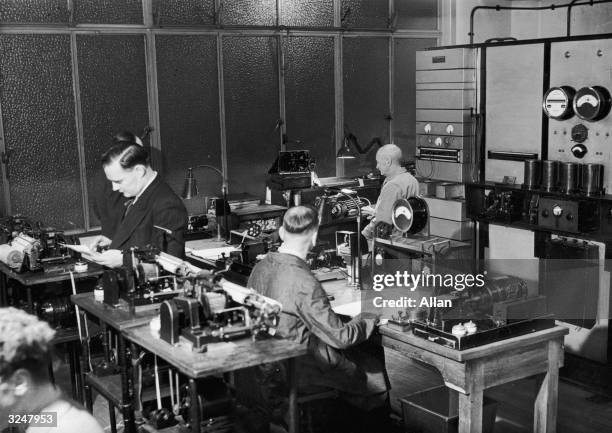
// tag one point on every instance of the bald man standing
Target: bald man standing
(398, 184)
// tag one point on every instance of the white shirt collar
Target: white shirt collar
(145, 188)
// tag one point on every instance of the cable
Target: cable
(552, 7)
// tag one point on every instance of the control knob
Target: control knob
(579, 150)
(557, 210)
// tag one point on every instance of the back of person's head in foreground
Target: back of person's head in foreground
(25, 343)
(300, 226)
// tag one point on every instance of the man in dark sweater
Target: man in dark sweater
(335, 358)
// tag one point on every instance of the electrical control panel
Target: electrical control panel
(445, 103)
(580, 130)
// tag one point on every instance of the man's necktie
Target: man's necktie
(128, 205)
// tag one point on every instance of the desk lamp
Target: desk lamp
(190, 190)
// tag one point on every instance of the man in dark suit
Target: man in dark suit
(154, 214)
(108, 204)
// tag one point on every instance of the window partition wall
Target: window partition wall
(228, 83)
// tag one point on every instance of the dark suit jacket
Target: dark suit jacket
(108, 205)
(158, 205)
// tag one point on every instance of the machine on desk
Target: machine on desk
(147, 277)
(218, 310)
(497, 310)
(33, 247)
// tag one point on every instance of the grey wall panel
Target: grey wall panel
(108, 11)
(113, 94)
(249, 12)
(34, 11)
(309, 99)
(307, 13)
(189, 109)
(251, 109)
(365, 13)
(39, 129)
(188, 12)
(416, 14)
(366, 96)
(404, 113)
(513, 109)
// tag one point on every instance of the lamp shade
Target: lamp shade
(190, 188)
(345, 152)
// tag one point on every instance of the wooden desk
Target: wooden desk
(223, 358)
(118, 319)
(473, 370)
(30, 279)
(421, 244)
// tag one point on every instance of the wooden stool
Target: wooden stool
(108, 387)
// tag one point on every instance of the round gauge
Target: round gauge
(558, 102)
(579, 133)
(592, 103)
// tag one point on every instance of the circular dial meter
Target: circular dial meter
(592, 103)
(558, 102)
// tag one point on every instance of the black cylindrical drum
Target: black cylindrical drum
(592, 179)
(570, 177)
(550, 175)
(533, 173)
(421, 214)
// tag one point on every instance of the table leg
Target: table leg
(3, 290)
(470, 412)
(73, 379)
(136, 380)
(126, 403)
(105, 343)
(545, 407)
(196, 418)
(76, 359)
(294, 425)
(84, 365)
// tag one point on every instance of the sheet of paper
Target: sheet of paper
(213, 253)
(86, 253)
(351, 309)
(84, 249)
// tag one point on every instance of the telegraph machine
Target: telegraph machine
(218, 310)
(33, 247)
(147, 277)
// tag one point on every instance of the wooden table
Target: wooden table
(119, 320)
(30, 279)
(223, 358)
(471, 371)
